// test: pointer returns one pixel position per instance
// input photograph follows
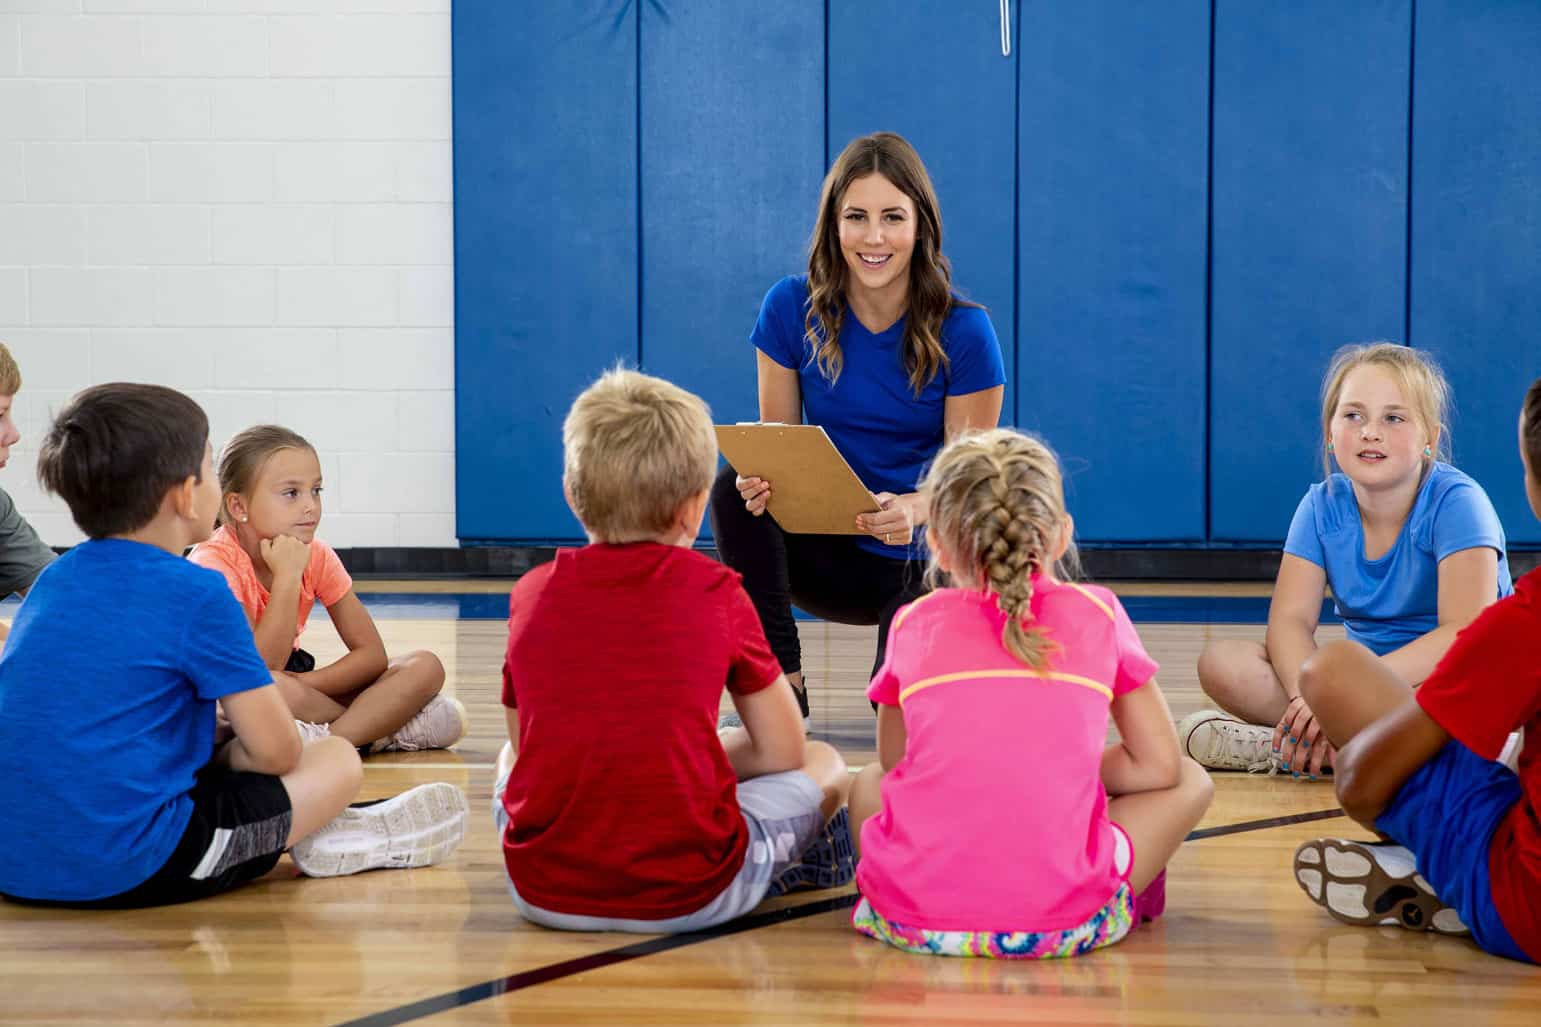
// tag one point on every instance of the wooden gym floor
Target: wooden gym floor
(1239, 943)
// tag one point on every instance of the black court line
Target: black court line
(626, 953)
(610, 957)
(1260, 825)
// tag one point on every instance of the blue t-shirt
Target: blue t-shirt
(1386, 603)
(885, 432)
(107, 690)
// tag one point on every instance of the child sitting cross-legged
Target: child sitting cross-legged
(1419, 765)
(619, 806)
(115, 790)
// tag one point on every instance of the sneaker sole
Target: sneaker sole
(417, 828)
(1344, 878)
(828, 863)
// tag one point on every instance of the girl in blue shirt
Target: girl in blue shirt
(1411, 547)
(873, 345)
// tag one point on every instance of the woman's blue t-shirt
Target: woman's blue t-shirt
(885, 432)
(1388, 602)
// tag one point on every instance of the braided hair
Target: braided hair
(997, 508)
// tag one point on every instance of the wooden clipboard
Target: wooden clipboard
(813, 490)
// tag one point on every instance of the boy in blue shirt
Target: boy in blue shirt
(109, 796)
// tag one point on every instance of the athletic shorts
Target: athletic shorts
(1107, 925)
(783, 816)
(238, 829)
(1446, 813)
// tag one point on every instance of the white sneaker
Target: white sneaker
(1510, 756)
(417, 828)
(1221, 742)
(438, 725)
(1370, 884)
(312, 732)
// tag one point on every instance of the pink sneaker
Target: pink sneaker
(1151, 902)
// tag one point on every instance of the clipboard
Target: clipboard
(813, 490)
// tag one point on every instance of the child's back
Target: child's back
(622, 801)
(107, 692)
(996, 817)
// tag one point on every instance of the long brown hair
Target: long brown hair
(1531, 432)
(930, 286)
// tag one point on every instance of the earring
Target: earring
(1329, 447)
(1427, 451)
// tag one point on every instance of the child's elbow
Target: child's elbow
(281, 756)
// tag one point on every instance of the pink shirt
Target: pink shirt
(324, 577)
(996, 819)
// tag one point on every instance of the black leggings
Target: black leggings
(830, 576)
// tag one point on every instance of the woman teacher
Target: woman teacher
(873, 345)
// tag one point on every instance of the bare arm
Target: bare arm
(1375, 764)
(772, 738)
(1146, 757)
(893, 736)
(781, 397)
(365, 660)
(972, 410)
(274, 631)
(511, 716)
(1292, 618)
(266, 740)
(1468, 582)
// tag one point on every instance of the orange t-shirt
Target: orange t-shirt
(324, 577)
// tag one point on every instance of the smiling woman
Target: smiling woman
(875, 346)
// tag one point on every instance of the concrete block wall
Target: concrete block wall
(248, 200)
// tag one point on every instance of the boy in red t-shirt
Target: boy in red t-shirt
(1420, 768)
(620, 807)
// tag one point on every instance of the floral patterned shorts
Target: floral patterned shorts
(1106, 926)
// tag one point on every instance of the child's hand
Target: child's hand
(285, 555)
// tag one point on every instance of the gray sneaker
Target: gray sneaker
(438, 725)
(417, 828)
(1219, 741)
(828, 863)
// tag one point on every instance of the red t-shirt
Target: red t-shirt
(1489, 684)
(622, 802)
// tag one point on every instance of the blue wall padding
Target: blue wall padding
(956, 102)
(732, 108)
(1476, 239)
(545, 245)
(1111, 278)
(1308, 235)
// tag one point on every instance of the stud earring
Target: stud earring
(1427, 451)
(1329, 447)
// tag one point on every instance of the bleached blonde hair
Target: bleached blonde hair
(1416, 373)
(997, 507)
(634, 448)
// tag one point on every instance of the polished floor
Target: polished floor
(1239, 943)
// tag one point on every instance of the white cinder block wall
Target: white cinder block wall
(248, 200)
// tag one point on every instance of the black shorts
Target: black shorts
(239, 828)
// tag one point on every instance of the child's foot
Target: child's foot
(1368, 884)
(312, 732)
(438, 725)
(1151, 902)
(417, 828)
(828, 863)
(1221, 742)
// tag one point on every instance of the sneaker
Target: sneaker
(732, 719)
(1221, 742)
(417, 828)
(313, 732)
(1510, 756)
(828, 863)
(438, 725)
(1367, 884)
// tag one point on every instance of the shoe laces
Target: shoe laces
(1244, 745)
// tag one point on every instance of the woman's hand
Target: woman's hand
(895, 521)
(755, 492)
(1298, 739)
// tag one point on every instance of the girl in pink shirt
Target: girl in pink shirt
(986, 827)
(267, 549)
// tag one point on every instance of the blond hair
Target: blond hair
(634, 448)
(1416, 373)
(10, 374)
(245, 455)
(997, 507)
